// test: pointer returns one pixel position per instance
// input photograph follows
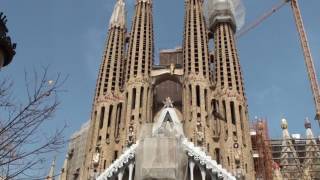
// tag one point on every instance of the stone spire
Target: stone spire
(111, 69)
(63, 173)
(107, 114)
(285, 132)
(309, 133)
(118, 17)
(312, 153)
(195, 46)
(196, 75)
(231, 129)
(138, 91)
(51, 174)
(289, 158)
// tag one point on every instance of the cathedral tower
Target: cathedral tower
(232, 131)
(138, 92)
(105, 127)
(215, 116)
(196, 74)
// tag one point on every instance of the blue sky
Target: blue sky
(69, 36)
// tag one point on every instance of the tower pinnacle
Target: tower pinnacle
(139, 61)
(105, 126)
(284, 124)
(118, 17)
(307, 124)
(51, 172)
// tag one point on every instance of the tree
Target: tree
(23, 144)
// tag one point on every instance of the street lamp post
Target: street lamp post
(7, 48)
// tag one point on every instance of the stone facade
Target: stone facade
(213, 104)
(76, 154)
(169, 88)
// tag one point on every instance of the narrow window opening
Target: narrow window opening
(205, 99)
(241, 118)
(198, 95)
(217, 153)
(190, 97)
(119, 119)
(102, 117)
(110, 115)
(141, 97)
(233, 113)
(225, 110)
(133, 102)
(235, 134)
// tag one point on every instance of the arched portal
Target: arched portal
(167, 88)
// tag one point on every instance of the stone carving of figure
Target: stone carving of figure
(168, 103)
(130, 135)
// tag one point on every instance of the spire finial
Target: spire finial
(52, 168)
(118, 17)
(284, 123)
(307, 123)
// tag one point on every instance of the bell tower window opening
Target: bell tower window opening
(198, 95)
(141, 96)
(241, 118)
(217, 153)
(190, 95)
(133, 101)
(206, 99)
(233, 113)
(225, 110)
(102, 117)
(118, 120)
(110, 115)
(214, 106)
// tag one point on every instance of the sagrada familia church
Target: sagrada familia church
(213, 121)
(184, 119)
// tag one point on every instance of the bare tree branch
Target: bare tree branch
(22, 149)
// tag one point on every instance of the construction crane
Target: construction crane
(304, 44)
(257, 22)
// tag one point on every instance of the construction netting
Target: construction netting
(160, 156)
(219, 9)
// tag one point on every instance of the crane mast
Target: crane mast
(307, 56)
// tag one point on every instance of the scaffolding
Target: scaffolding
(261, 150)
(302, 161)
